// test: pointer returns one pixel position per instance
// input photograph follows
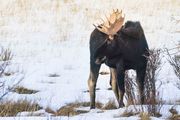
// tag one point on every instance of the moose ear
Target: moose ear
(132, 32)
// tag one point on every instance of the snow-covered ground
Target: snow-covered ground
(52, 37)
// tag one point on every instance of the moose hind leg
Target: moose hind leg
(120, 82)
(121, 88)
(94, 72)
(113, 80)
(140, 80)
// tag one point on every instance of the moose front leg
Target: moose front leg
(94, 73)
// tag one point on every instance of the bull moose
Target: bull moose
(121, 47)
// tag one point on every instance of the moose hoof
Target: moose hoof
(92, 107)
(121, 105)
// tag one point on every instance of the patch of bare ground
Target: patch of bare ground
(88, 90)
(104, 73)
(53, 75)
(178, 102)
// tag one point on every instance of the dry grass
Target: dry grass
(110, 105)
(71, 109)
(174, 114)
(144, 116)
(67, 111)
(127, 113)
(174, 117)
(13, 108)
(22, 90)
(7, 73)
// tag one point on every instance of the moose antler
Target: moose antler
(112, 25)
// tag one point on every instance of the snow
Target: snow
(52, 37)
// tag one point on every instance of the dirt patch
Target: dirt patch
(53, 75)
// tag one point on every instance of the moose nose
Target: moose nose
(100, 60)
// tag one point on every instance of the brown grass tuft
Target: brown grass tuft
(66, 111)
(174, 114)
(174, 117)
(127, 113)
(22, 90)
(71, 109)
(13, 108)
(110, 105)
(144, 116)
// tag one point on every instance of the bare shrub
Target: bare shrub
(151, 96)
(152, 70)
(5, 60)
(175, 62)
(130, 90)
(5, 57)
(13, 108)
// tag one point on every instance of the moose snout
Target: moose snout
(100, 60)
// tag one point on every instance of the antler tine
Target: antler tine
(107, 20)
(117, 10)
(120, 15)
(102, 20)
(113, 10)
(94, 25)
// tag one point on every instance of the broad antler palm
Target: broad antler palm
(113, 24)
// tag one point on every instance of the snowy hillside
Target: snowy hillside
(51, 37)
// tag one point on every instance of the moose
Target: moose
(121, 47)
